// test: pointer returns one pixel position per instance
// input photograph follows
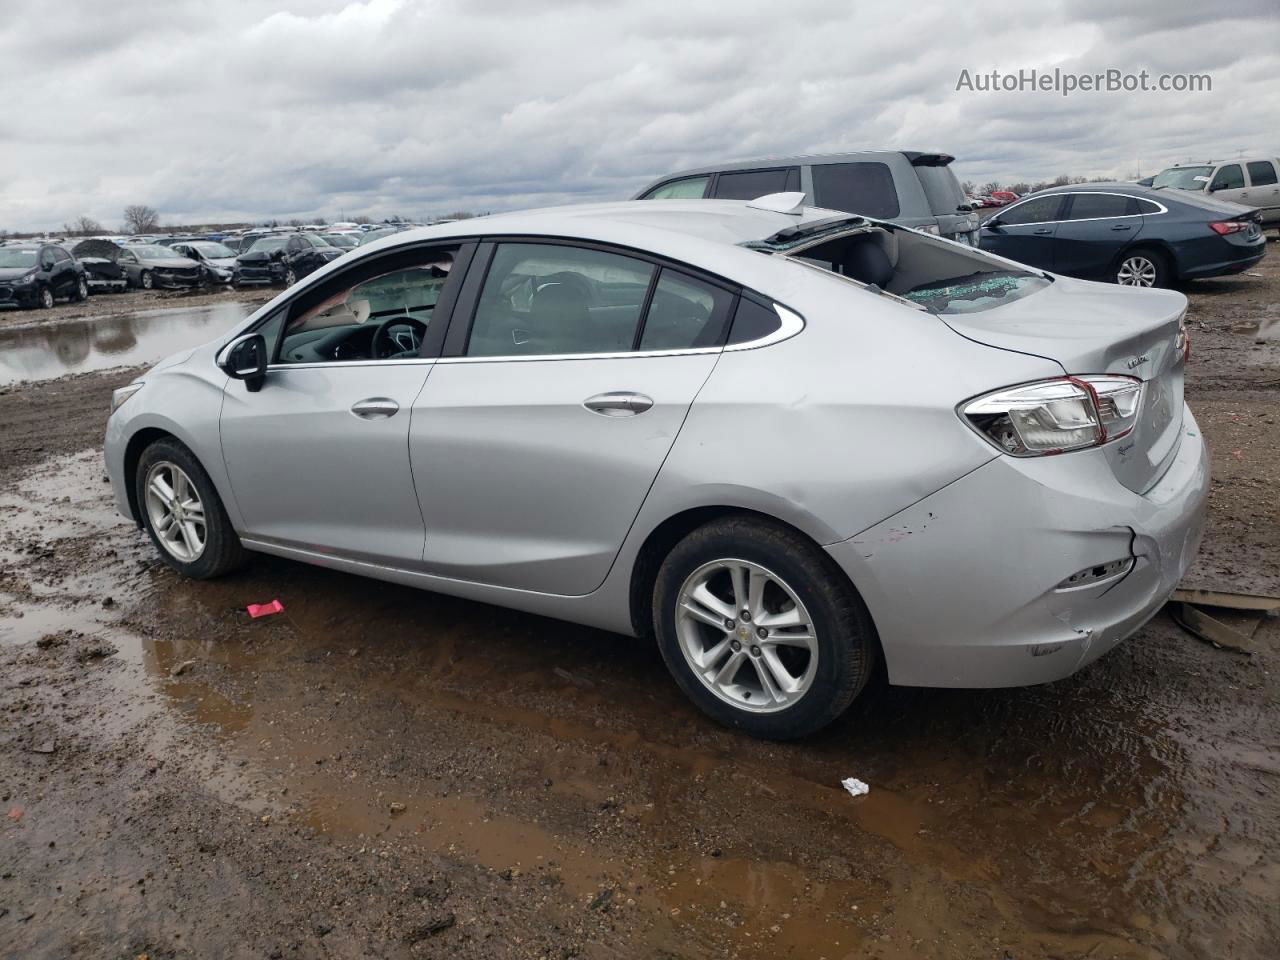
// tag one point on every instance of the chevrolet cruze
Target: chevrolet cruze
(784, 442)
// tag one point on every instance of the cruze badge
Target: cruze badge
(1138, 361)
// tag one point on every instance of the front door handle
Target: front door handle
(619, 403)
(1042, 231)
(375, 408)
(1122, 226)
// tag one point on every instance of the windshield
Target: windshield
(318, 240)
(1183, 178)
(340, 240)
(212, 250)
(153, 251)
(268, 244)
(11, 257)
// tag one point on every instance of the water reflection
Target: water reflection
(77, 346)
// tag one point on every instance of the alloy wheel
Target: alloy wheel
(147, 280)
(176, 511)
(46, 297)
(290, 277)
(746, 635)
(1136, 271)
(82, 290)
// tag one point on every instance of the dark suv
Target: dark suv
(908, 187)
(283, 258)
(36, 274)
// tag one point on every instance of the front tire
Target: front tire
(760, 628)
(44, 299)
(146, 281)
(183, 513)
(290, 276)
(1143, 267)
(82, 290)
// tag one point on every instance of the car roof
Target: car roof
(1106, 186)
(793, 161)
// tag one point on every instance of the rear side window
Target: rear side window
(684, 313)
(1147, 207)
(1230, 177)
(863, 188)
(753, 320)
(1262, 172)
(690, 188)
(1093, 206)
(1039, 210)
(749, 184)
(542, 299)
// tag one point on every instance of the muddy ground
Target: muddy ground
(382, 772)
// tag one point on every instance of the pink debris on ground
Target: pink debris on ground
(265, 609)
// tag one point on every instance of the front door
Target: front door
(535, 446)
(319, 456)
(1025, 231)
(1228, 184)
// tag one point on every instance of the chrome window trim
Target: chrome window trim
(1099, 193)
(331, 364)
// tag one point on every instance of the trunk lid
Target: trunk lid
(1095, 328)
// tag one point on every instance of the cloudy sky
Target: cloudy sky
(239, 109)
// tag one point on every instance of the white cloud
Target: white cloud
(232, 111)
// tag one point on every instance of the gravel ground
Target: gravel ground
(382, 772)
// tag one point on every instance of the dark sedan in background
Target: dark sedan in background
(1127, 234)
(283, 258)
(35, 275)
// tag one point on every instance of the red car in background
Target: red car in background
(1004, 196)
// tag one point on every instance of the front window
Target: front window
(212, 251)
(383, 315)
(541, 299)
(1230, 177)
(691, 188)
(317, 240)
(153, 251)
(268, 244)
(1039, 210)
(11, 258)
(1183, 178)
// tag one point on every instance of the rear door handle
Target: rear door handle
(1042, 230)
(375, 408)
(1122, 226)
(618, 403)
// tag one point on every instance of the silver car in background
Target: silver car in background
(788, 443)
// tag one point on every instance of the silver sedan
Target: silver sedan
(788, 444)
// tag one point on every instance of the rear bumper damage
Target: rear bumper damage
(1025, 570)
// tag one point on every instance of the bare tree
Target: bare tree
(361, 219)
(968, 187)
(459, 215)
(139, 218)
(295, 222)
(83, 227)
(988, 188)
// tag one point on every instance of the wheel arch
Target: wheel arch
(1160, 246)
(663, 537)
(132, 454)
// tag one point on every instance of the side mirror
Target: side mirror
(991, 222)
(246, 359)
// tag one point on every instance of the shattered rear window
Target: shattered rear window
(975, 292)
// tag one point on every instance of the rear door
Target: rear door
(1095, 227)
(1264, 188)
(542, 428)
(1025, 231)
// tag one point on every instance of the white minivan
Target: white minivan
(1251, 182)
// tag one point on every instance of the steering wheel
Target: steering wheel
(397, 338)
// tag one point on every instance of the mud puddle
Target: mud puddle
(1116, 814)
(46, 351)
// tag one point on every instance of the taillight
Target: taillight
(1055, 416)
(1224, 227)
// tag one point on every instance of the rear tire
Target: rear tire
(1143, 267)
(802, 640)
(197, 540)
